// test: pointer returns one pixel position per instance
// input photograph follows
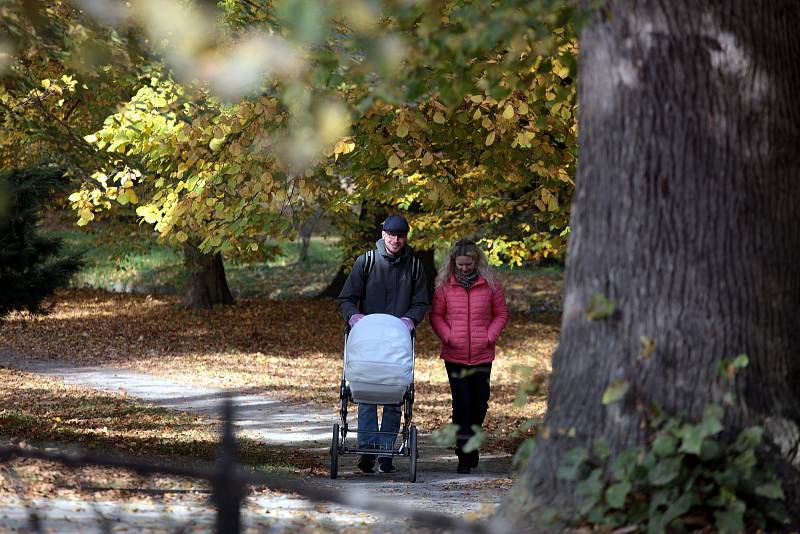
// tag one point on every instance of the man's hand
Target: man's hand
(408, 322)
(355, 318)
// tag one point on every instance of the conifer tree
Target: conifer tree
(31, 267)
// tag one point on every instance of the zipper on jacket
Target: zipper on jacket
(469, 330)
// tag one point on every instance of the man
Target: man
(387, 280)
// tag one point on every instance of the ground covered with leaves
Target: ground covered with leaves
(43, 410)
(290, 349)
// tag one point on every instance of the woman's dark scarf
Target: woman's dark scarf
(466, 280)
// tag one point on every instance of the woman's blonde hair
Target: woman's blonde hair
(465, 247)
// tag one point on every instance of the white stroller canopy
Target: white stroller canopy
(379, 359)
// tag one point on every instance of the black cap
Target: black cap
(396, 224)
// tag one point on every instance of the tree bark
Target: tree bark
(206, 285)
(335, 286)
(305, 230)
(429, 266)
(686, 217)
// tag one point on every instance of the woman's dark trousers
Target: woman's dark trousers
(469, 385)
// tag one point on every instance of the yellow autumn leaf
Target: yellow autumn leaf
(122, 198)
(508, 112)
(74, 197)
(477, 99)
(181, 236)
(560, 70)
(394, 161)
(438, 118)
(402, 130)
(523, 108)
(487, 123)
(150, 215)
(476, 115)
(46, 83)
(489, 139)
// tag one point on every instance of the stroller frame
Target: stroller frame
(408, 431)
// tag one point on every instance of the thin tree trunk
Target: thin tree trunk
(305, 231)
(207, 285)
(686, 217)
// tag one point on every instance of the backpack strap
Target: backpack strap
(416, 266)
(369, 263)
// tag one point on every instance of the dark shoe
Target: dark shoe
(463, 467)
(367, 464)
(473, 459)
(386, 467)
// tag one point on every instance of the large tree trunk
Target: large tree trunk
(429, 266)
(206, 284)
(686, 217)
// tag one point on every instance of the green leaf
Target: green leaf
(730, 520)
(476, 440)
(749, 438)
(590, 490)
(615, 391)
(693, 435)
(679, 507)
(656, 525)
(770, 490)
(600, 448)
(741, 361)
(599, 307)
(728, 368)
(664, 445)
(665, 471)
(691, 439)
(551, 515)
(445, 436)
(571, 462)
(523, 453)
(777, 511)
(710, 450)
(625, 462)
(616, 494)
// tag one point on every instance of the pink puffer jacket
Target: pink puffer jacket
(468, 322)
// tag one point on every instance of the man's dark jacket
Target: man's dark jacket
(389, 287)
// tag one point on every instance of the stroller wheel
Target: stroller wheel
(412, 450)
(335, 451)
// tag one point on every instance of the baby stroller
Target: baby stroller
(378, 368)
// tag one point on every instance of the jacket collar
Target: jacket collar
(453, 281)
(381, 246)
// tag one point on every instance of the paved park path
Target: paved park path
(275, 423)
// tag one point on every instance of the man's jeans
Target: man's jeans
(368, 426)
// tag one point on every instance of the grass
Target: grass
(138, 263)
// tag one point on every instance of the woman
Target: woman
(468, 314)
